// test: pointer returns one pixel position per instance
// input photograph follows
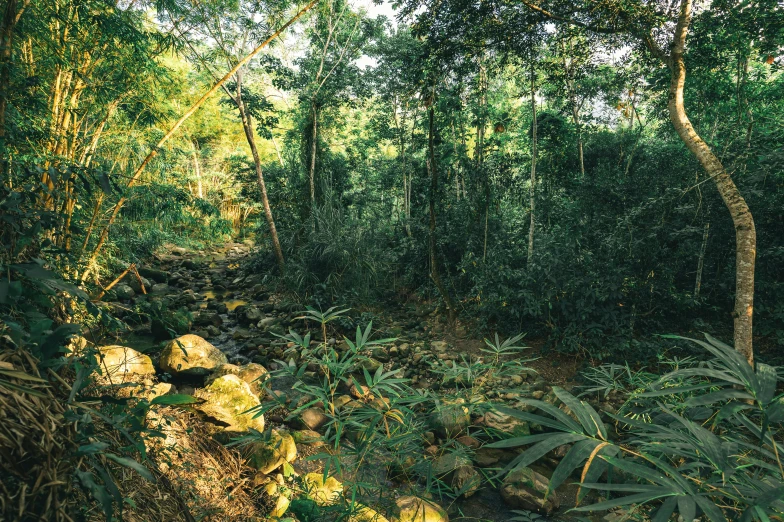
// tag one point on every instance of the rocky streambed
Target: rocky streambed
(202, 327)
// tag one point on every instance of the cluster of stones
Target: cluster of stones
(240, 316)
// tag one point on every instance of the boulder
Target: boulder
(123, 364)
(159, 276)
(308, 437)
(267, 456)
(323, 492)
(415, 509)
(160, 289)
(457, 471)
(248, 314)
(313, 419)
(227, 400)
(525, 489)
(450, 418)
(252, 373)
(133, 281)
(191, 355)
(124, 292)
(506, 424)
(208, 318)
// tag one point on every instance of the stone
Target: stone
(369, 364)
(450, 418)
(487, 457)
(267, 456)
(227, 400)
(281, 501)
(313, 419)
(323, 492)
(525, 489)
(133, 281)
(252, 373)
(469, 442)
(439, 346)
(160, 289)
(415, 509)
(361, 393)
(120, 363)
(457, 471)
(207, 318)
(159, 276)
(506, 424)
(191, 355)
(124, 292)
(308, 437)
(247, 314)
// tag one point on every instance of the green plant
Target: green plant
(712, 449)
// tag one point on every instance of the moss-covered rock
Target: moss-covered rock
(227, 400)
(415, 509)
(450, 418)
(321, 491)
(252, 373)
(507, 424)
(192, 355)
(267, 456)
(525, 489)
(123, 364)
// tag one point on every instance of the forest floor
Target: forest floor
(227, 304)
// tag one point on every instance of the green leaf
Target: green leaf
(576, 455)
(134, 465)
(174, 399)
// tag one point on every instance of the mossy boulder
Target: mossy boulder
(252, 373)
(450, 418)
(192, 355)
(507, 424)
(526, 489)
(322, 492)
(268, 455)
(227, 400)
(415, 509)
(457, 471)
(123, 364)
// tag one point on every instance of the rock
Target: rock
(365, 514)
(439, 346)
(323, 492)
(248, 314)
(525, 489)
(191, 355)
(506, 424)
(369, 364)
(228, 398)
(252, 373)
(361, 393)
(487, 457)
(208, 318)
(458, 472)
(159, 276)
(313, 419)
(123, 364)
(267, 456)
(469, 442)
(281, 501)
(133, 281)
(450, 418)
(124, 292)
(160, 289)
(414, 509)
(309, 437)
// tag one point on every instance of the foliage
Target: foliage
(707, 443)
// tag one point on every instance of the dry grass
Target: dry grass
(197, 477)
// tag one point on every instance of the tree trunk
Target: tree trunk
(197, 168)
(745, 232)
(532, 197)
(313, 146)
(701, 261)
(11, 17)
(154, 152)
(247, 125)
(433, 171)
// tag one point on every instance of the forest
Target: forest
(392, 261)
